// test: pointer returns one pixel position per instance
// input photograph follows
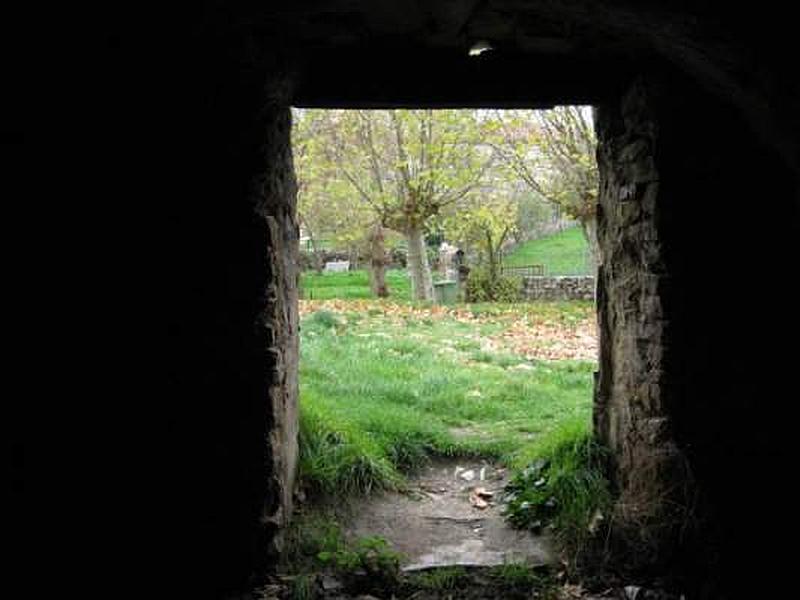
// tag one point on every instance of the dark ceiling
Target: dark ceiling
(404, 52)
(381, 53)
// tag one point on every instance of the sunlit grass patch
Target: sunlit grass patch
(351, 285)
(563, 253)
(379, 394)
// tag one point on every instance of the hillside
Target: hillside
(563, 253)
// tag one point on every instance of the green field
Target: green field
(563, 253)
(351, 285)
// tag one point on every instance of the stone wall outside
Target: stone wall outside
(558, 287)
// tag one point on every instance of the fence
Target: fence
(572, 264)
(522, 271)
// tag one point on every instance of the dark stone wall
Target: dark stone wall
(632, 412)
(233, 354)
(692, 387)
(700, 177)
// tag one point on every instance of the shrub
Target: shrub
(399, 257)
(483, 287)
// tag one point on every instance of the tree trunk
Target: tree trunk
(493, 258)
(589, 228)
(377, 256)
(316, 252)
(418, 267)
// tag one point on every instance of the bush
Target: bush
(307, 259)
(398, 257)
(482, 287)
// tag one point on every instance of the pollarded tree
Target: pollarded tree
(407, 166)
(553, 153)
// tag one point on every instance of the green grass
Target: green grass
(442, 579)
(351, 285)
(563, 484)
(516, 574)
(510, 581)
(303, 587)
(563, 253)
(308, 535)
(315, 542)
(380, 394)
(384, 386)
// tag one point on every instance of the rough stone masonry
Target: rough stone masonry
(558, 287)
(699, 143)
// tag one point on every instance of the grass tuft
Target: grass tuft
(564, 485)
(337, 458)
(442, 579)
(309, 535)
(516, 574)
(303, 587)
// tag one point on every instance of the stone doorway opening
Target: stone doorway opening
(459, 396)
(696, 128)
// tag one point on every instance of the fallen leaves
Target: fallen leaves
(479, 497)
(525, 332)
(477, 501)
(550, 341)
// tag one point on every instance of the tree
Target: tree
(405, 166)
(486, 225)
(553, 153)
(377, 257)
(326, 208)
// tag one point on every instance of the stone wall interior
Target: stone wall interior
(699, 131)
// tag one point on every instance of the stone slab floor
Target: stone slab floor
(436, 523)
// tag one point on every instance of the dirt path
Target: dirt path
(435, 523)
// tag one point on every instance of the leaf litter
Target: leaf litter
(533, 332)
